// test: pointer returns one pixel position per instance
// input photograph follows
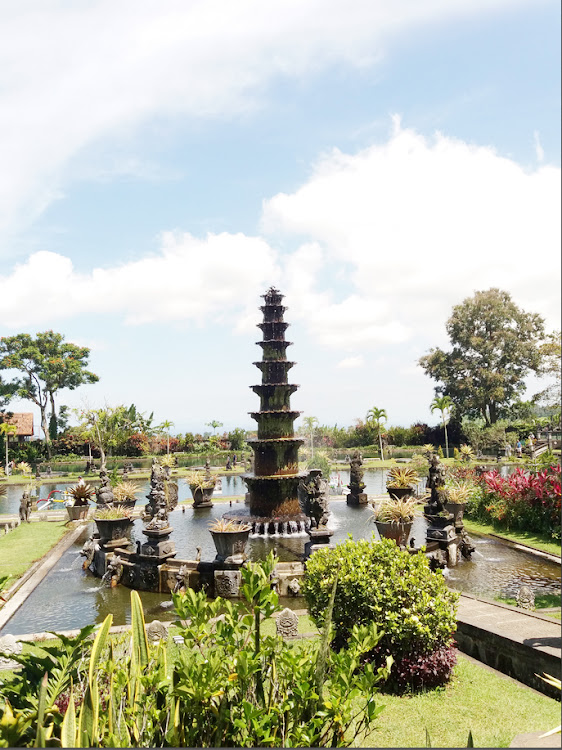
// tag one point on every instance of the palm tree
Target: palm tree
(377, 415)
(7, 429)
(165, 427)
(214, 424)
(310, 423)
(445, 405)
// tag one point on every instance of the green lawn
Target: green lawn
(26, 544)
(492, 707)
(530, 538)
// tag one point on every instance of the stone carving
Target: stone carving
(88, 551)
(157, 495)
(182, 579)
(466, 546)
(435, 481)
(25, 507)
(227, 583)
(287, 624)
(156, 631)
(356, 495)
(525, 598)
(9, 645)
(294, 587)
(104, 492)
(114, 571)
(313, 498)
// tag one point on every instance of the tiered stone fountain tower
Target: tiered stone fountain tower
(272, 487)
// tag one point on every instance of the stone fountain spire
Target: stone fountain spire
(273, 484)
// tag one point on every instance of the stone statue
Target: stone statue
(435, 483)
(104, 493)
(157, 495)
(25, 507)
(356, 484)
(525, 598)
(313, 497)
(287, 624)
(114, 571)
(160, 520)
(182, 579)
(156, 631)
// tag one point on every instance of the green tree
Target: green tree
(445, 405)
(377, 416)
(165, 427)
(495, 345)
(309, 425)
(214, 424)
(551, 351)
(47, 365)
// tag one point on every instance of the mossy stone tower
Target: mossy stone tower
(273, 484)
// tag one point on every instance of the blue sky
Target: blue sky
(165, 163)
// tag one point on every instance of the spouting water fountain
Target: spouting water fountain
(273, 486)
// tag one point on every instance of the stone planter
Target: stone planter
(397, 531)
(230, 545)
(114, 528)
(400, 492)
(202, 497)
(457, 509)
(77, 512)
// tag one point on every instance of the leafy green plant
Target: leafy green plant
(466, 453)
(381, 584)
(23, 468)
(402, 477)
(168, 460)
(395, 510)
(125, 490)
(81, 493)
(112, 513)
(198, 480)
(458, 491)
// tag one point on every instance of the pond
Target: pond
(70, 597)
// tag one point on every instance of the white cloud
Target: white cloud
(539, 150)
(188, 280)
(422, 224)
(350, 363)
(71, 76)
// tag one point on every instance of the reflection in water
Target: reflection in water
(70, 597)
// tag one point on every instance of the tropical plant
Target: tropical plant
(199, 480)
(228, 686)
(165, 427)
(81, 493)
(466, 453)
(395, 510)
(169, 460)
(382, 584)
(310, 424)
(445, 405)
(428, 450)
(7, 429)
(458, 491)
(555, 682)
(125, 490)
(221, 525)
(112, 513)
(402, 477)
(215, 424)
(378, 416)
(23, 468)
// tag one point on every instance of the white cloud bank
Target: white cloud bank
(414, 225)
(73, 75)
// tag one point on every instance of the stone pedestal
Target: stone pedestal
(318, 538)
(354, 498)
(158, 545)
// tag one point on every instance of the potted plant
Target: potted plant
(457, 492)
(125, 494)
(80, 494)
(113, 522)
(401, 480)
(230, 538)
(201, 486)
(393, 518)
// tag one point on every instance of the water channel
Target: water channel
(70, 597)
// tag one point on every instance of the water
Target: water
(70, 597)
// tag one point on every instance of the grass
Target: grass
(493, 708)
(26, 544)
(531, 538)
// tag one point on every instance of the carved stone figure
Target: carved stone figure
(287, 624)
(104, 492)
(356, 484)
(182, 579)
(294, 587)
(25, 507)
(156, 631)
(435, 481)
(313, 498)
(227, 583)
(157, 495)
(525, 598)
(114, 570)
(88, 551)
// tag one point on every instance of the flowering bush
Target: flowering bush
(524, 500)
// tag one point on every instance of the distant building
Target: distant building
(24, 426)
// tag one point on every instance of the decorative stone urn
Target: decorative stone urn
(400, 492)
(231, 545)
(77, 512)
(457, 509)
(110, 529)
(202, 496)
(397, 531)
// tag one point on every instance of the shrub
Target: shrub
(378, 582)
(417, 671)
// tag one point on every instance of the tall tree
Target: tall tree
(495, 345)
(166, 426)
(48, 365)
(214, 424)
(378, 416)
(445, 406)
(310, 425)
(551, 351)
